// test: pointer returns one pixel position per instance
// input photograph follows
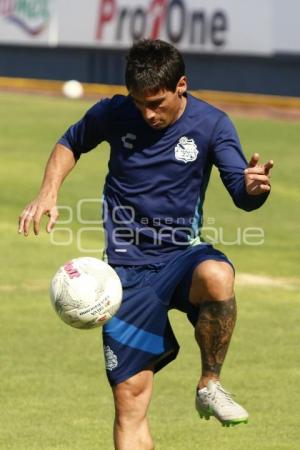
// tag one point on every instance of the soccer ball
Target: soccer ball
(86, 292)
(73, 89)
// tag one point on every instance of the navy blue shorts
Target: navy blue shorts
(140, 334)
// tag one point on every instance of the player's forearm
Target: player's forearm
(59, 165)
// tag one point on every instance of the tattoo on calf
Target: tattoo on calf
(213, 332)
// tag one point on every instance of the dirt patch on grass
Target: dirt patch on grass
(35, 286)
(237, 104)
(248, 279)
(289, 114)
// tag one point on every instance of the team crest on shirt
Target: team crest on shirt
(111, 360)
(186, 150)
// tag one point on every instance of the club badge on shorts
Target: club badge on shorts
(186, 150)
(111, 360)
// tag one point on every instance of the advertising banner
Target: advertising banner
(199, 26)
(229, 26)
(25, 22)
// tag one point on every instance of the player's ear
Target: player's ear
(181, 86)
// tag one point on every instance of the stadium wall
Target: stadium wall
(277, 75)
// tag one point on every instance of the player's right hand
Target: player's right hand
(257, 176)
(33, 213)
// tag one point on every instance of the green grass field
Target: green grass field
(54, 393)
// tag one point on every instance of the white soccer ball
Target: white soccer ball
(73, 89)
(86, 292)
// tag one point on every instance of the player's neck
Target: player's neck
(182, 106)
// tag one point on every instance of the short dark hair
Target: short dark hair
(153, 65)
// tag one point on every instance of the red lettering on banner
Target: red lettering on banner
(106, 13)
(170, 18)
(159, 9)
(6, 7)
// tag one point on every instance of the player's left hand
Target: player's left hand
(257, 176)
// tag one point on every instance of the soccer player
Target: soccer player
(163, 144)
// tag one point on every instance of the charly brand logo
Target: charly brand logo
(128, 140)
(111, 360)
(30, 15)
(186, 150)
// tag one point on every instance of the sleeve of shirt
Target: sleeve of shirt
(231, 162)
(86, 134)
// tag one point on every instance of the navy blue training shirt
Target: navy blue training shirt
(156, 182)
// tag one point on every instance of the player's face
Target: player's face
(162, 108)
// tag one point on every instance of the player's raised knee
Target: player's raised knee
(212, 280)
